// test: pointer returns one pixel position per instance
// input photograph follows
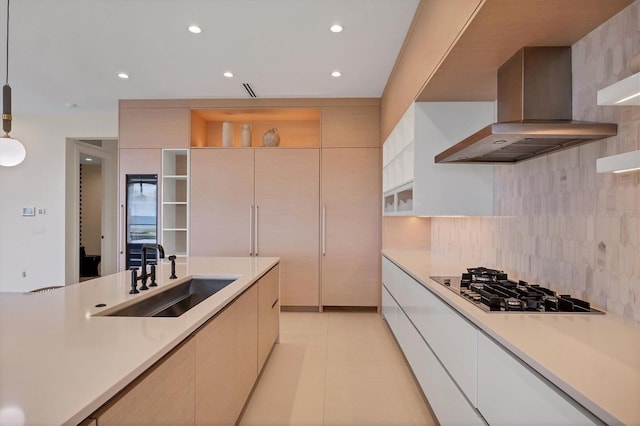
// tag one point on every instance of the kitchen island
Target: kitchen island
(60, 362)
(589, 364)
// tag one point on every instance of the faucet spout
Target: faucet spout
(146, 247)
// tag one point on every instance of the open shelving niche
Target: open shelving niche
(298, 127)
(175, 201)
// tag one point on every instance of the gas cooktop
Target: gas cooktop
(492, 291)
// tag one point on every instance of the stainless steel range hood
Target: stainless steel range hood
(534, 112)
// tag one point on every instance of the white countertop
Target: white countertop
(593, 358)
(58, 363)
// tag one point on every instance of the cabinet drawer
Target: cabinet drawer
(451, 337)
(446, 400)
(268, 313)
(269, 288)
(389, 271)
(389, 308)
(509, 392)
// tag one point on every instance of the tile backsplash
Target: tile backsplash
(558, 222)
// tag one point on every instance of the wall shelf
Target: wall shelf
(298, 127)
(175, 201)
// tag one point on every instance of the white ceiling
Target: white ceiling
(70, 51)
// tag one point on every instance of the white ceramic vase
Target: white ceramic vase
(246, 135)
(227, 134)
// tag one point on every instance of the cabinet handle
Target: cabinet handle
(274, 304)
(251, 230)
(123, 229)
(255, 230)
(324, 230)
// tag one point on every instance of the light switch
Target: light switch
(28, 211)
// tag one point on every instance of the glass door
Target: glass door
(142, 217)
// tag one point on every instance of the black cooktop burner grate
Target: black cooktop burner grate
(493, 291)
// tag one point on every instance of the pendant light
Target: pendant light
(12, 152)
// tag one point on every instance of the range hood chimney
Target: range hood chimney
(534, 112)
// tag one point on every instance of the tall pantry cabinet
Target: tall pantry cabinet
(260, 202)
(350, 211)
(145, 129)
(314, 201)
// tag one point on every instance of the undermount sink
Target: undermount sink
(176, 300)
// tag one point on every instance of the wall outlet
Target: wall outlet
(24, 274)
(42, 211)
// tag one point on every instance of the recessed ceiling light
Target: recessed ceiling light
(336, 74)
(88, 159)
(70, 105)
(336, 28)
(123, 75)
(228, 74)
(195, 29)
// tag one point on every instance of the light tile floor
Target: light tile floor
(336, 368)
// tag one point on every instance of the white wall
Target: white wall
(37, 244)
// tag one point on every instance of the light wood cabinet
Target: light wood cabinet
(266, 201)
(247, 343)
(350, 126)
(260, 202)
(287, 219)
(221, 202)
(209, 377)
(268, 314)
(350, 226)
(152, 127)
(226, 361)
(162, 395)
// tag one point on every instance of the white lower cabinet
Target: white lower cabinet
(447, 401)
(389, 308)
(452, 338)
(466, 376)
(509, 393)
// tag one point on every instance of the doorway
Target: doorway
(91, 205)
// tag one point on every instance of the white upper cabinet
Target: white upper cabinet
(414, 185)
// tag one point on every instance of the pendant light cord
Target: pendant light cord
(7, 64)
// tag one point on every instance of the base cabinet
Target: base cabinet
(162, 395)
(466, 376)
(268, 314)
(447, 401)
(509, 393)
(209, 377)
(437, 323)
(226, 361)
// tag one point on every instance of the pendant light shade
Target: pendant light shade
(12, 152)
